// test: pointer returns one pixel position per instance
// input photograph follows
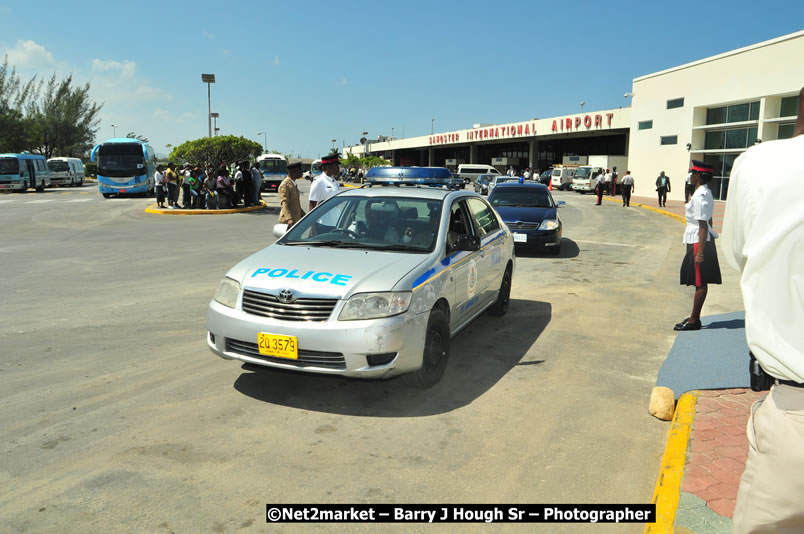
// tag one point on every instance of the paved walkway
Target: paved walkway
(674, 207)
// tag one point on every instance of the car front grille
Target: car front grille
(264, 305)
(519, 225)
(307, 358)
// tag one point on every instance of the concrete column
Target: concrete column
(472, 153)
(430, 157)
(532, 154)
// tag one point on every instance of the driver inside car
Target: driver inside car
(381, 222)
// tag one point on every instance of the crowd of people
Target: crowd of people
(199, 188)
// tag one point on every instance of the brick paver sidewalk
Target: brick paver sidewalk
(716, 455)
(676, 207)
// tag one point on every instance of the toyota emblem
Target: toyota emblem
(286, 296)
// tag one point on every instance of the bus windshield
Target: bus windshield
(121, 159)
(9, 166)
(276, 166)
(58, 166)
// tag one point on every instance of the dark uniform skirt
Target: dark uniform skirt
(700, 274)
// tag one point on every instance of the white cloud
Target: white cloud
(127, 69)
(208, 35)
(343, 81)
(28, 55)
(276, 60)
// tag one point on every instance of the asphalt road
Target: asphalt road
(116, 417)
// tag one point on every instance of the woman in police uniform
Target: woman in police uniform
(700, 266)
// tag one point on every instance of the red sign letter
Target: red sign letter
(598, 120)
(609, 115)
(554, 126)
(587, 121)
(577, 122)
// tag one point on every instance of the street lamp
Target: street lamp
(582, 104)
(115, 130)
(265, 137)
(215, 122)
(333, 143)
(209, 79)
(431, 126)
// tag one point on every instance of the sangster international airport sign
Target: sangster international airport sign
(576, 123)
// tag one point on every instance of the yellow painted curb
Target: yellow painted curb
(159, 211)
(679, 218)
(668, 486)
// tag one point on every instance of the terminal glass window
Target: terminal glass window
(645, 125)
(715, 140)
(786, 130)
(669, 139)
(789, 107)
(735, 113)
(675, 103)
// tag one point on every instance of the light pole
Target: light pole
(582, 104)
(392, 132)
(215, 122)
(265, 137)
(209, 79)
(333, 143)
(115, 130)
(431, 126)
(364, 139)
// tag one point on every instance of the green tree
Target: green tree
(132, 135)
(14, 95)
(61, 118)
(212, 151)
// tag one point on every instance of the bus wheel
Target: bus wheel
(107, 195)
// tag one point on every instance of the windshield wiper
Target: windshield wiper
(398, 247)
(328, 243)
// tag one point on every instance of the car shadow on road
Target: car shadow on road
(480, 356)
(569, 249)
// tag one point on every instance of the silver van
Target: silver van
(471, 171)
(66, 171)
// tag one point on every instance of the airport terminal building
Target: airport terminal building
(712, 109)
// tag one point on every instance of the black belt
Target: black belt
(789, 383)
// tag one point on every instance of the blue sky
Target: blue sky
(310, 72)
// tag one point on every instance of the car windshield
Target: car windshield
(278, 166)
(316, 167)
(547, 173)
(556, 172)
(521, 197)
(485, 179)
(121, 159)
(378, 223)
(58, 166)
(583, 172)
(9, 166)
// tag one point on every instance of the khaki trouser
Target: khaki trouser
(771, 494)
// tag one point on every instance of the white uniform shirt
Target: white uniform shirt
(701, 207)
(763, 236)
(599, 179)
(628, 179)
(159, 179)
(323, 188)
(688, 181)
(607, 178)
(526, 175)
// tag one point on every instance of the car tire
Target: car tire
(436, 352)
(500, 305)
(107, 195)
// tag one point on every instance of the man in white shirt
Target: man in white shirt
(763, 237)
(628, 187)
(526, 174)
(688, 188)
(159, 186)
(326, 186)
(607, 181)
(256, 183)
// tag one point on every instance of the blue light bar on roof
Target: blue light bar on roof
(436, 176)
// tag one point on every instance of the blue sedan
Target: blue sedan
(529, 211)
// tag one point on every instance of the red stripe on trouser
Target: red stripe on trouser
(697, 266)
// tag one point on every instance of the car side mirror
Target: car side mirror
(280, 229)
(467, 242)
(560, 203)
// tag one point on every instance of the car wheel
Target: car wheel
(107, 195)
(500, 305)
(436, 352)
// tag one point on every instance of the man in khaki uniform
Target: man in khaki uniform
(291, 210)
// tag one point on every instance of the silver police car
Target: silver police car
(372, 283)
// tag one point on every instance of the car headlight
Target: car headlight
(227, 292)
(549, 224)
(375, 305)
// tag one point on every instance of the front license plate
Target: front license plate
(520, 238)
(278, 346)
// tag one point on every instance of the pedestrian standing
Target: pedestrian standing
(210, 200)
(326, 186)
(627, 188)
(599, 186)
(510, 171)
(687, 188)
(224, 189)
(526, 174)
(662, 188)
(614, 176)
(607, 181)
(256, 183)
(159, 186)
(243, 182)
(290, 210)
(763, 237)
(186, 175)
(700, 266)
(173, 185)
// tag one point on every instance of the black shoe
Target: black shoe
(686, 325)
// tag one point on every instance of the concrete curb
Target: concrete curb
(679, 218)
(159, 211)
(668, 486)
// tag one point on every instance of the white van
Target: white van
(66, 171)
(469, 172)
(562, 177)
